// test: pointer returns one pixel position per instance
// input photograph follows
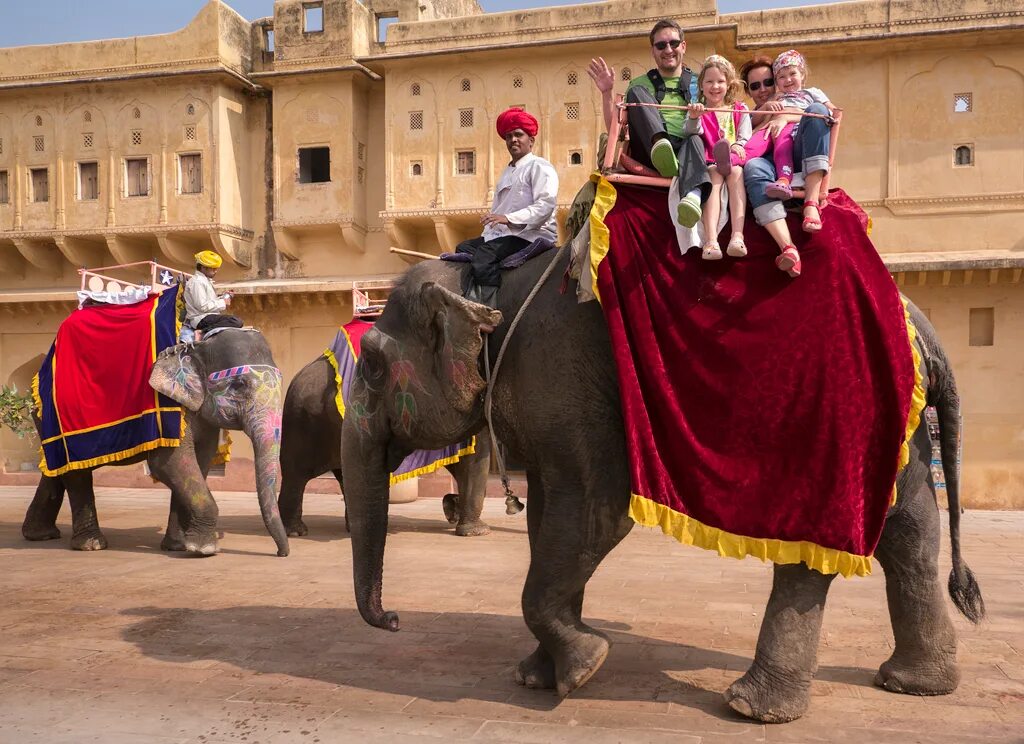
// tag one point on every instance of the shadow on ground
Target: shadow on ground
(442, 657)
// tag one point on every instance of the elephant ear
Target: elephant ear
(178, 374)
(455, 325)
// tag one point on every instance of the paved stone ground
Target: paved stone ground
(134, 645)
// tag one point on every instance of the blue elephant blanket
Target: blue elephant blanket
(343, 355)
(92, 392)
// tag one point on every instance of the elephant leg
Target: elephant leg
(777, 687)
(289, 503)
(41, 518)
(537, 670)
(577, 530)
(924, 660)
(178, 468)
(85, 525)
(471, 477)
(177, 517)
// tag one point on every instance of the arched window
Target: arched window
(39, 121)
(627, 74)
(136, 114)
(963, 155)
(576, 158)
(415, 89)
(466, 85)
(190, 110)
(572, 78)
(417, 169)
(87, 117)
(517, 81)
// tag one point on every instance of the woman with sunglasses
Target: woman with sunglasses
(810, 147)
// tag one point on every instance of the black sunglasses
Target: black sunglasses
(768, 83)
(674, 43)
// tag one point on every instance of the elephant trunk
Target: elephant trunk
(265, 432)
(366, 506)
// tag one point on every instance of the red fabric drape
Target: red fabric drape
(759, 405)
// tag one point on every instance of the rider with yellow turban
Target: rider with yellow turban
(203, 306)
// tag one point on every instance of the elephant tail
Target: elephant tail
(963, 586)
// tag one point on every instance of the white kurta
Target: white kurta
(526, 194)
(201, 299)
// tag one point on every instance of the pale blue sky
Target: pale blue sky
(54, 21)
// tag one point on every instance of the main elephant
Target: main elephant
(228, 381)
(556, 405)
(311, 446)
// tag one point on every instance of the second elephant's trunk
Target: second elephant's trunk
(265, 432)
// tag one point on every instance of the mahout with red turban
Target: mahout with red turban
(516, 118)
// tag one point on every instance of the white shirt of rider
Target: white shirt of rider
(527, 194)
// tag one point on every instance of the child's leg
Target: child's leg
(782, 153)
(737, 201)
(711, 210)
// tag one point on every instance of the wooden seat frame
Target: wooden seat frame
(617, 159)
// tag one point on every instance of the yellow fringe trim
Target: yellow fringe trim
(35, 396)
(918, 399)
(338, 401)
(689, 531)
(107, 459)
(600, 238)
(223, 455)
(437, 465)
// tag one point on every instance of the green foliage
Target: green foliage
(16, 411)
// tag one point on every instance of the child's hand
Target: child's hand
(740, 151)
(773, 106)
(696, 110)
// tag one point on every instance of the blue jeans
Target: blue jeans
(810, 150)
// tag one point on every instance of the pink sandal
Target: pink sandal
(789, 261)
(812, 224)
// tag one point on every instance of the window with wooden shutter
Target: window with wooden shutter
(191, 173)
(5, 188)
(136, 177)
(88, 181)
(40, 181)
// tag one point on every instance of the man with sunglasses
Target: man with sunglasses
(657, 134)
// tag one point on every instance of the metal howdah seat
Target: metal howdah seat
(619, 167)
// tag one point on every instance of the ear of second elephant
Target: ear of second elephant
(178, 375)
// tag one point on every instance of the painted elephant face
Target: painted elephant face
(420, 365)
(230, 398)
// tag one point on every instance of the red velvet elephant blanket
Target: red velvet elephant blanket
(92, 393)
(765, 415)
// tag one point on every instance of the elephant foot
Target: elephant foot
(450, 506)
(172, 544)
(934, 677)
(201, 545)
(93, 540)
(472, 529)
(37, 533)
(778, 702)
(584, 657)
(536, 671)
(296, 528)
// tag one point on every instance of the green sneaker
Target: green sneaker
(663, 158)
(688, 213)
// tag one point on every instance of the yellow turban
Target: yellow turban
(209, 259)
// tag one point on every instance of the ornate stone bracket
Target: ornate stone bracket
(177, 251)
(234, 246)
(127, 250)
(11, 261)
(40, 253)
(79, 252)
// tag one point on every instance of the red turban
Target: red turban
(516, 118)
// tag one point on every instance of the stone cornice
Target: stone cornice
(342, 219)
(890, 28)
(122, 69)
(231, 230)
(1012, 201)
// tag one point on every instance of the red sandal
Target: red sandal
(789, 261)
(812, 224)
